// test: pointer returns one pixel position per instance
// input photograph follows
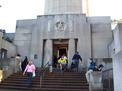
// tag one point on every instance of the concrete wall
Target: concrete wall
(27, 40)
(101, 36)
(117, 66)
(10, 47)
(23, 36)
(116, 33)
(111, 49)
(120, 35)
(117, 56)
(73, 24)
(8, 67)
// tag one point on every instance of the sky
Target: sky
(13, 10)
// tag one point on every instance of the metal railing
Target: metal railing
(43, 70)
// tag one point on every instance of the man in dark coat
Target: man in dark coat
(75, 60)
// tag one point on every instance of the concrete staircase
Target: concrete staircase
(56, 81)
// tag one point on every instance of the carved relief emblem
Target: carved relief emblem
(60, 26)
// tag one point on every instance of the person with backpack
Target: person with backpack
(75, 61)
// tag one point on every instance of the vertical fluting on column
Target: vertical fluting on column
(48, 51)
(71, 51)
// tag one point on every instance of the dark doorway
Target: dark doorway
(62, 51)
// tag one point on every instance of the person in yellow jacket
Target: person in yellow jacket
(62, 62)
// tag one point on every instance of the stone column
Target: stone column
(41, 46)
(34, 47)
(48, 51)
(71, 51)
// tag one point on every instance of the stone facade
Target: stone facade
(7, 49)
(63, 6)
(115, 50)
(74, 32)
(7, 52)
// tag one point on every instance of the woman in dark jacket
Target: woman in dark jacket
(24, 63)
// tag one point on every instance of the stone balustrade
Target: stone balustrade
(95, 83)
(7, 68)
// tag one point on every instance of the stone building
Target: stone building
(7, 49)
(63, 29)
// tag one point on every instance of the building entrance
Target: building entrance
(62, 51)
(60, 47)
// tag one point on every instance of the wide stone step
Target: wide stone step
(41, 89)
(56, 81)
(45, 84)
(13, 77)
(17, 82)
(65, 83)
(21, 88)
(62, 89)
(56, 76)
(23, 78)
(63, 80)
(20, 84)
(63, 74)
(52, 79)
(46, 81)
(20, 80)
(48, 85)
(66, 86)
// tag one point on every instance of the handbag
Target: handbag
(34, 74)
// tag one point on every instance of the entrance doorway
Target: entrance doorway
(62, 51)
(60, 47)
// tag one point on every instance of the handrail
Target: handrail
(107, 70)
(42, 73)
(45, 64)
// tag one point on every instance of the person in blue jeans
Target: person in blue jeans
(91, 68)
(75, 61)
(30, 69)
